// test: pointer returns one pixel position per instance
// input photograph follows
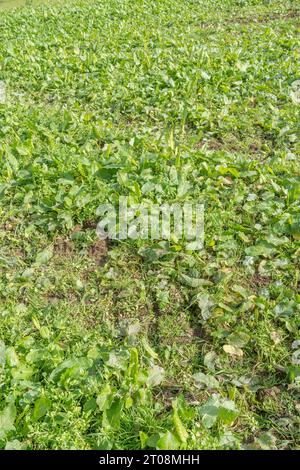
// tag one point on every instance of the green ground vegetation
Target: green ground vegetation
(137, 344)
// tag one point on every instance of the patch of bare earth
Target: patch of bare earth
(171, 389)
(63, 246)
(257, 281)
(98, 252)
(9, 225)
(264, 18)
(213, 144)
(254, 147)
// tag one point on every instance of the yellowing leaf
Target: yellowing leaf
(233, 350)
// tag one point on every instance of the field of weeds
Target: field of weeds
(140, 343)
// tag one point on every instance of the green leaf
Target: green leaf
(205, 381)
(262, 249)
(227, 412)
(2, 353)
(44, 256)
(90, 405)
(180, 429)
(168, 441)
(14, 445)
(205, 305)
(191, 281)
(266, 441)
(217, 409)
(73, 365)
(7, 419)
(150, 351)
(118, 359)
(133, 367)
(105, 397)
(41, 407)
(112, 415)
(194, 245)
(155, 376)
(209, 415)
(277, 241)
(143, 439)
(183, 188)
(22, 373)
(238, 339)
(12, 358)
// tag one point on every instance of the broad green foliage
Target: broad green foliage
(150, 345)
